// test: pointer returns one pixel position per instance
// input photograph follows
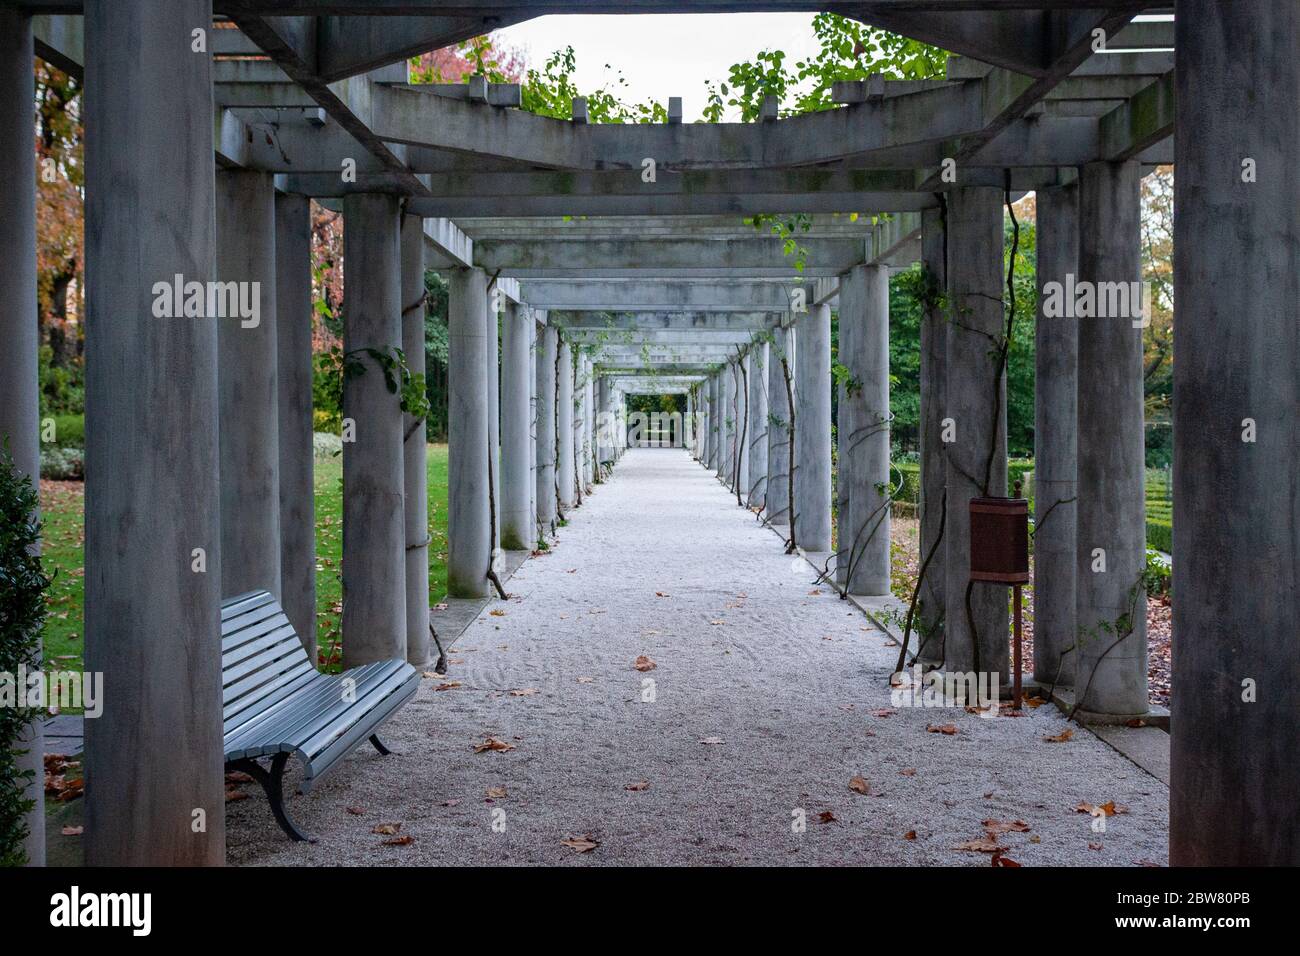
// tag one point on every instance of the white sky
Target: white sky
(661, 55)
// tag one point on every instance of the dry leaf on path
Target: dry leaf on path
(497, 793)
(860, 785)
(983, 845)
(523, 692)
(946, 729)
(827, 817)
(711, 740)
(1060, 738)
(909, 835)
(586, 680)
(405, 840)
(497, 612)
(1000, 860)
(644, 663)
(491, 743)
(994, 827)
(581, 844)
(638, 786)
(907, 772)
(72, 831)
(448, 685)
(386, 829)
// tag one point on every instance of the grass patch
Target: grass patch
(64, 553)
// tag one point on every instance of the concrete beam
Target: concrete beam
(644, 295)
(669, 258)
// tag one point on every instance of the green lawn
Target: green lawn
(64, 539)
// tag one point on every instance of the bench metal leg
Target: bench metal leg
(379, 745)
(272, 783)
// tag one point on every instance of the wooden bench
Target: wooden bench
(276, 704)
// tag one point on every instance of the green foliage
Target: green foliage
(1157, 577)
(69, 431)
(848, 50)
(62, 389)
(22, 615)
(1160, 535)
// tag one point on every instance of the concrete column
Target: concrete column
(726, 422)
(493, 359)
(1111, 672)
(717, 423)
(589, 419)
(580, 424)
(153, 615)
(930, 605)
(415, 449)
(1236, 501)
(469, 536)
(604, 428)
(517, 522)
(534, 526)
(246, 377)
(757, 425)
(864, 313)
(688, 431)
(740, 478)
(850, 301)
(812, 433)
(293, 321)
(548, 343)
(19, 392)
(778, 434)
(1056, 366)
(978, 414)
(374, 488)
(566, 438)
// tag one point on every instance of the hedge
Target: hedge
(1160, 535)
(1017, 468)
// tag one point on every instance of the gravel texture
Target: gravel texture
(661, 562)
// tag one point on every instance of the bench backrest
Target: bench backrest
(262, 659)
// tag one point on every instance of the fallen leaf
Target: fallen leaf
(638, 786)
(72, 831)
(859, 785)
(1094, 846)
(883, 712)
(448, 685)
(1135, 722)
(716, 623)
(450, 803)
(571, 571)
(497, 612)
(1000, 860)
(497, 793)
(386, 829)
(233, 796)
(238, 776)
(827, 817)
(662, 594)
(907, 772)
(909, 835)
(711, 740)
(355, 811)
(814, 593)
(994, 827)
(644, 663)
(524, 692)
(1035, 839)
(491, 743)
(947, 729)
(982, 845)
(404, 840)
(581, 844)
(1060, 738)
(586, 680)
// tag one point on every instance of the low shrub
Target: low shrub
(63, 463)
(326, 445)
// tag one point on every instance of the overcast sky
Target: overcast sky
(663, 55)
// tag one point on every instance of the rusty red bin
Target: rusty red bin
(999, 540)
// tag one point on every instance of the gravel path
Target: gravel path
(791, 682)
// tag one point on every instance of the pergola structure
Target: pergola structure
(618, 260)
